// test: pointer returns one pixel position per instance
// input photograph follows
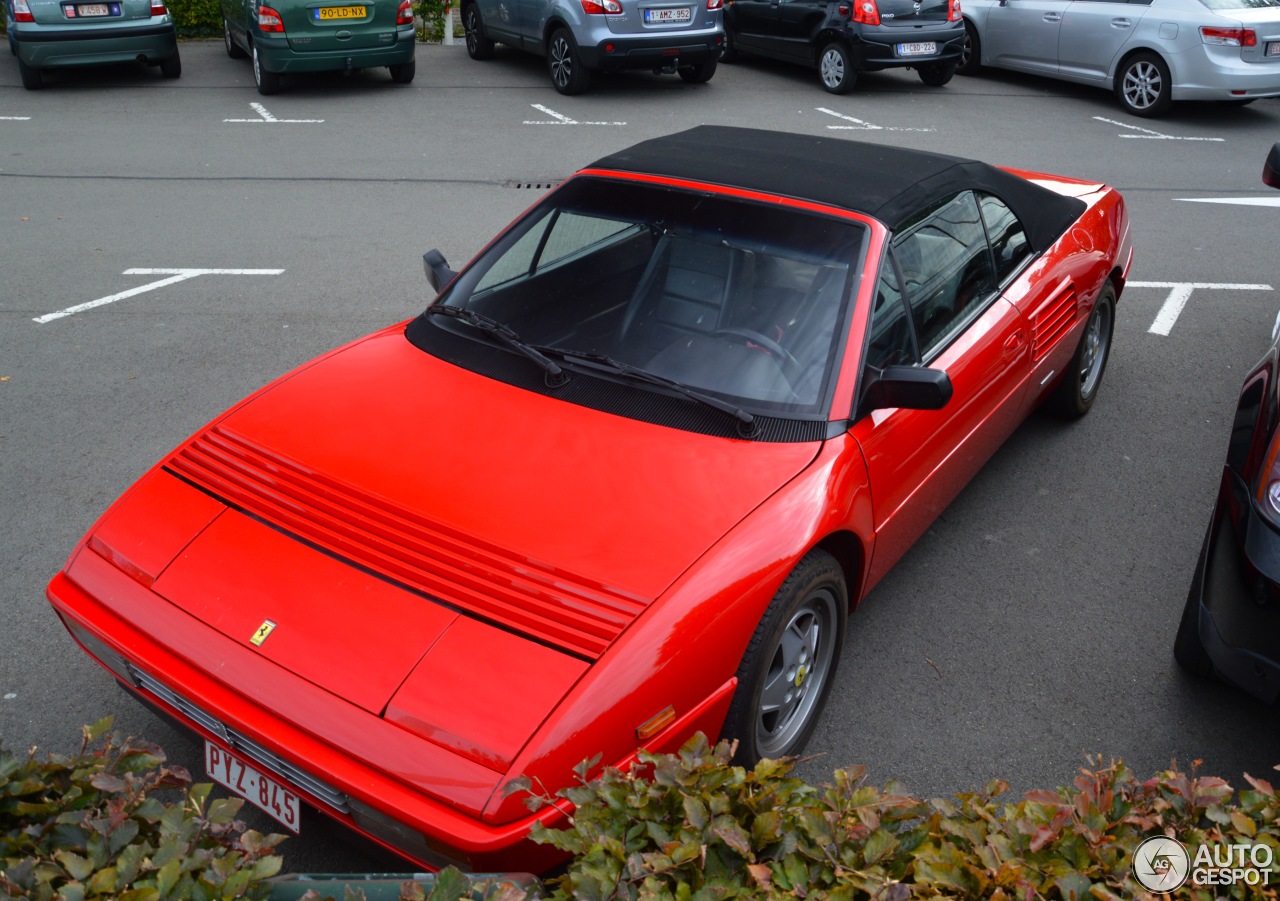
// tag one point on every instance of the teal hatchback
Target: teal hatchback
(291, 36)
(53, 34)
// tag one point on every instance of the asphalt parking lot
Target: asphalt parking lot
(168, 246)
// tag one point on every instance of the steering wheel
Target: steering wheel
(749, 335)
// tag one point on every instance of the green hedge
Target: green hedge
(116, 821)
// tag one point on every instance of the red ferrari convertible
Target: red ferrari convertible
(623, 480)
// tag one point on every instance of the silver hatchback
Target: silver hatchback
(1149, 52)
(580, 37)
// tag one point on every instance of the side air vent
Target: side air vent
(1054, 318)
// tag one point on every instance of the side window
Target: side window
(1008, 239)
(891, 343)
(946, 267)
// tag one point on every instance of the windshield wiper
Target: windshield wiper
(603, 361)
(505, 334)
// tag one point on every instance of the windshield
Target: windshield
(738, 299)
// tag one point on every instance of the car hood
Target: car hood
(410, 519)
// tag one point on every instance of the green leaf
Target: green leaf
(450, 885)
(76, 866)
(1074, 886)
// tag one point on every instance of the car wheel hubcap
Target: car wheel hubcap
(1096, 340)
(832, 69)
(561, 64)
(1142, 85)
(470, 27)
(796, 674)
(966, 50)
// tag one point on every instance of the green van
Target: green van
(288, 36)
(53, 34)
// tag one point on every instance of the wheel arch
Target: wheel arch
(1128, 53)
(849, 551)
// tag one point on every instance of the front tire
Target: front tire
(834, 69)
(568, 75)
(936, 75)
(1143, 86)
(790, 663)
(403, 73)
(1078, 389)
(31, 78)
(699, 74)
(479, 46)
(233, 49)
(268, 82)
(729, 53)
(971, 55)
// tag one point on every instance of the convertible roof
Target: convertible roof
(888, 183)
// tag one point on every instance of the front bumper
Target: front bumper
(1239, 592)
(277, 56)
(57, 47)
(615, 53)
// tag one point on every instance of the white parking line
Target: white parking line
(1179, 294)
(560, 118)
(860, 125)
(15, 118)
(1237, 201)
(1150, 135)
(265, 116)
(175, 276)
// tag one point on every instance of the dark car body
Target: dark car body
(844, 37)
(1231, 620)
(57, 34)
(294, 36)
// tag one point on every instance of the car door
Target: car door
(1092, 34)
(939, 306)
(798, 22)
(1023, 35)
(753, 23)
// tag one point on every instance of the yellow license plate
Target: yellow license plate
(327, 13)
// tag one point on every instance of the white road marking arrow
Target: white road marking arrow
(175, 276)
(265, 116)
(560, 118)
(859, 125)
(1150, 135)
(1179, 294)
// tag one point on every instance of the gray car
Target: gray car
(1149, 52)
(580, 37)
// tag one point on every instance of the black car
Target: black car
(841, 38)
(1231, 623)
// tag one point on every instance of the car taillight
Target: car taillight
(404, 14)
(715, 4)
(1229, 37)
(158, 8)
(866, 12)
(953, 11)
(1268, 493)
(269, 19)
(22, 12)
(603, 8)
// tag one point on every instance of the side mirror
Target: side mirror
(438, 272)
(1271, 170)
(906, 387)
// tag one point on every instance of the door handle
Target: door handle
(1014, 341)
(1053, 17)
(1121, 23)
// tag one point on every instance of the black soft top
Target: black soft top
(888, 183)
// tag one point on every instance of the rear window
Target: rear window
(1241, 4)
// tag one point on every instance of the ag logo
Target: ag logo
(1161, 864)
(262, 632)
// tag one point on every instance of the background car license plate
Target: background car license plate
(656, 16)
(919, 49)
(260, 790)
(94, 9)
(1273, 48)
(324, 13)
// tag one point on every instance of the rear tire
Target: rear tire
(834, 69)
(1188, 649)
(1078, 389)
(479, 46)
(171, 67)
(1143, 86)
(403, 73)
(699, 74)
(971, 55)
(935, 75)
(730, 53)
(568, 75)
(234, 50)
(268, 82)
(31, 78)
